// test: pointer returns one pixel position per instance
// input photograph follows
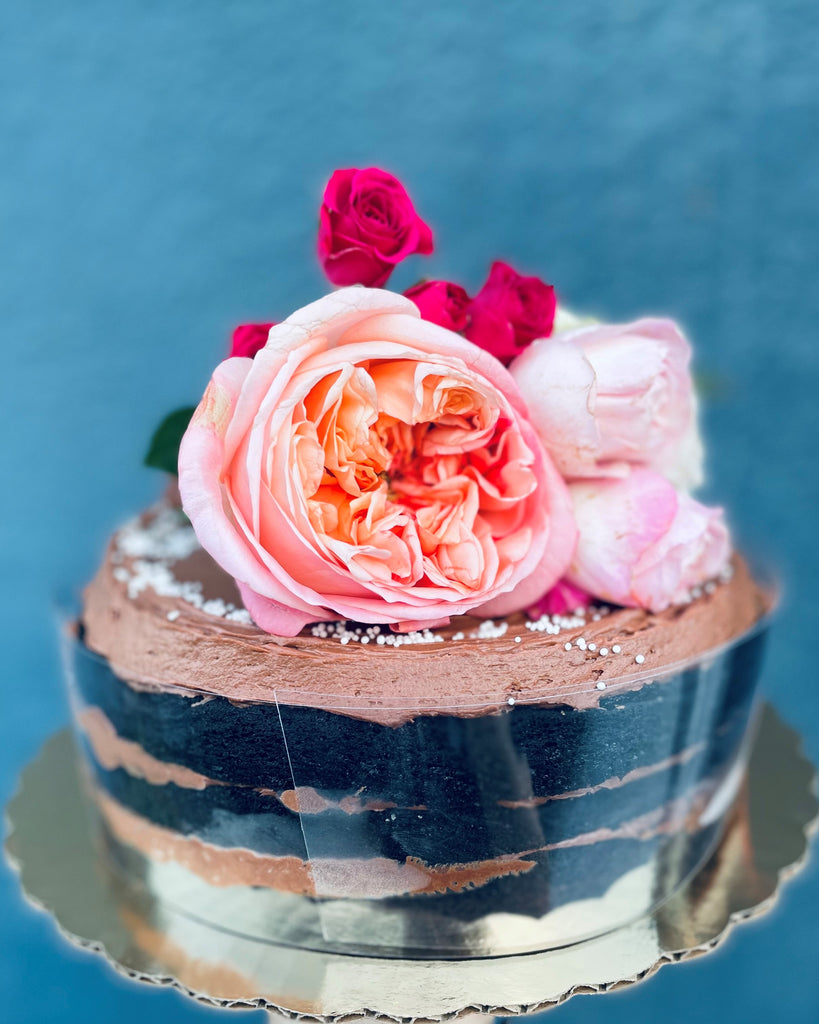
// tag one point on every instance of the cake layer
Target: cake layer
(442, 791)
(165, 615)
(583, 866)
(522, 753)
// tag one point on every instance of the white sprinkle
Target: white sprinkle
(345, 640)
(172, 615)
(639, 658)
(601, 685)
(457, 636)
(365, 640)
(489, 630)
(216, 606)
(121, 575)
(168, 535)
(710, 587)
(240, 615)
(511, 701)
(517, 639)
(567, 646)
(592, 647)
(603, 652)
(616, 649)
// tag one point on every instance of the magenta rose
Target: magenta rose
(370, 465)
(509, 312)
(563, 599)
(607, 395)
(442, 303)
(368, 225)
(248, 339)
(643, 544)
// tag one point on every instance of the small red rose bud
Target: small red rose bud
(248, 339)
(441, 302)
(509, 312)
(368, 225)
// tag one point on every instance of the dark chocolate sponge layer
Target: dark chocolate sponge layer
(526, 751)
(442, 789)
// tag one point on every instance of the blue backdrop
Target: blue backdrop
(159, 182)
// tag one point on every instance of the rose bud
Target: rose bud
(441, 302)
(370, 465)
(643, 544)
(509, 312)
(368, 225)
(248, 339)
(607, 395)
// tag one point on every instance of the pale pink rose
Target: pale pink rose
(368, 464)
(608, 395)
(643, 544)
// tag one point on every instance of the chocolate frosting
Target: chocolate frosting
(156, 635)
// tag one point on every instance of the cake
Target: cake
(523, 724)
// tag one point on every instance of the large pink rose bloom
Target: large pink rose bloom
(370, 465)
(605, 396)
(643, 544)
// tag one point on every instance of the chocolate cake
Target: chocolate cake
(512, 767)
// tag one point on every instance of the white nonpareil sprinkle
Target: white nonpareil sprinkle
(241, 615)
(167, 536)
(489, 630)
(603, 652)
(592, 647)
(152, 547)
(639, 658)
(349, 633)
(517, 639)
(601, 685)
(616, 649)
(511, 701)
(567, 646)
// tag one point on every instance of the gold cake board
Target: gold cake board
(51, 846)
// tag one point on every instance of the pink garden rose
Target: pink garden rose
(368, 225)
(248, 339)
(441, 302)
(607, 395)
(643, 544)
(368, 464)
(509, 312)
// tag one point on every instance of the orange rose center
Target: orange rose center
(413, 475)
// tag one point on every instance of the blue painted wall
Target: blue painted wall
(160, 171)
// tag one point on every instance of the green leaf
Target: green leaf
(163, 451)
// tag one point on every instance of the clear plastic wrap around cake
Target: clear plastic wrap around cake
(440, 827)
